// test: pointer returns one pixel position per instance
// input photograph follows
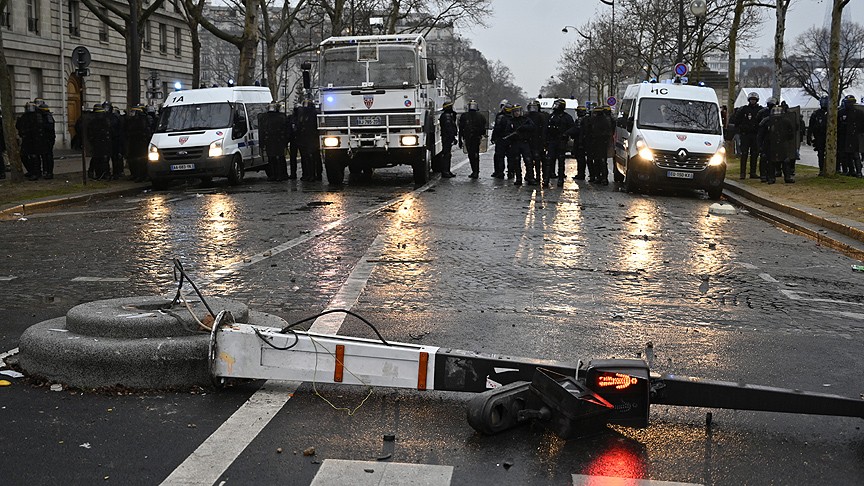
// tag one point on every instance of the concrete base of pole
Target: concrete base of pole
(137, 342)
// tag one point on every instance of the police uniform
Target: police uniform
(99, 141)
(560, 123)
(44, 157)
(816, 130)
(850, 130)
(538, 142)
(502, 123)
(472, 128)
(117, 142)
(137, 133)
(520, 133)
(307, 140)
(600, 137)
(449, 136)
(746, 121)
(274, 129)
(28, 131)
(578, 136)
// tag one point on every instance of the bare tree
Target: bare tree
(781, 7)
(134, 21)
(834, 90)
(456, 60)
(190, 12)
(758, 76)
(811, 57)
(428, 14)
(273, 34)
(13, 150)
(246, 42)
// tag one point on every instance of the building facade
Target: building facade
(40, 35)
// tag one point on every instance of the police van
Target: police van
(206, 133)
(670, 135)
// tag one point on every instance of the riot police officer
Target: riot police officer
(762, 135)
(520, 133)
(816, 131)
(578, 136)
(28, 131)
(502, 123)
(99, 140)
(117, 143)
(307, 139)
(560, 122)
(137, 133)
(274, 130)
(472, 129)
(44, 158)
(781, 149)
(600, 137)
(850, 129)
(746, 120)
(449, 136)
(538, 142)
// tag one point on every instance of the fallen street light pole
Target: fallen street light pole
(571, 399)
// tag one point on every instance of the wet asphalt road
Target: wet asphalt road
(584, 272)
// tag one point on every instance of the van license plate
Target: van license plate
(680, 175)
(183, 167)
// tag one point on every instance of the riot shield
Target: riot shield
(81, 129)
(263, 134)
(860, 110)
(782, 135)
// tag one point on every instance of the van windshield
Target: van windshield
(207, 116)
(679, 116)
(383, 65)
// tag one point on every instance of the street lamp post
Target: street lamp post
(612, 48)
(699, 9)
(589, 38)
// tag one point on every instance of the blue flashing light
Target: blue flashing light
(177, 86)
(329, 99)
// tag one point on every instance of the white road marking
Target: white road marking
(748, 265)
(7, 278)
(213, 457)
(371, 473)
(848, 315)
(796, 295)
(581, 480)
(767, 278)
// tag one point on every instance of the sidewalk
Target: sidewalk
(829, 230)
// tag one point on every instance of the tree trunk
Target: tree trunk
(270, 68)
(733, 61)
(782, 6)
(13, 150)
(249, 46)
(196, 55)
(834, 90)
(133, 57)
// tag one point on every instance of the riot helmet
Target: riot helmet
(777, 110)
(273, 107)
(97, 108)
(508, 107)
(517, 110)
(533, 106)
(447, 106)
(823, 102)
(850, 100)
(503, 103)
(151, 110)
(108, 106)
(753, 96)
(29, 107)
(559, 105)
(473, 106)
(771, 102)
(40, 104)
(581, 111)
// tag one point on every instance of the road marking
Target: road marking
(581, 480)
(7, 278)
(748, 265)
(767, 278)
(849, 315)
(213, 457)
(795, 295)
(372, 473)
(100, 279)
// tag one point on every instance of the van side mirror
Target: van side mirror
(430, 70)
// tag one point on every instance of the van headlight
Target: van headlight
(719, 157)
(216, 149)
(644, 152)
(408, 140)
(153, 153)
(331, 142)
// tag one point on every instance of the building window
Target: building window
(178, 40)
(6, 17)
(163, 38)
(146, 38)
(105, 82)
(103, 27)
(74, 18)
(36, 85)
(33, 16)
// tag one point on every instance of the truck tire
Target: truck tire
(236, 173)
(422, 168)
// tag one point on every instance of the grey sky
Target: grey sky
(526, 34)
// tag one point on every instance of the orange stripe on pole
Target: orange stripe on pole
(421, 371)
(340, 363)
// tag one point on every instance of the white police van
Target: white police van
(206, 133)
(670, 135)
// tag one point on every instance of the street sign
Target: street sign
(680, 69)
(611, 101)
(81, 57)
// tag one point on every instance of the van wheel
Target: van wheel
(422, 168)
(630, 181)
(235, 175)
(715, 192)
(617, 176)
(159, 184)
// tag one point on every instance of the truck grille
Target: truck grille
(371, 120)
(674, 160)
(183, 153)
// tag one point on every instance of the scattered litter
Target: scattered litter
(278, 450)
(507, 465)
(295, 288)
(22, 219)
(309, 451)
(11, 373)
(826, 384)
(858, 268)
(617, 315)
(267, 253)
(5, 382)
(721, 209)
(369, 470)
(58, 387)
(137, 316)
(59, 330)
(247, 260)
(85, 445)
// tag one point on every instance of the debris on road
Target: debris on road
(722, 209)
(12, 373)
(309, 451)
(56, 387)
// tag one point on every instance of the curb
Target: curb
(50, 202)
(847, 236)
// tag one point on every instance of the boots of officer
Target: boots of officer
(788, 176)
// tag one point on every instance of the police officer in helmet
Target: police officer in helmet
(274, 128)
(521, 131)
(746, 121)
(449, 138)
(472, 129)
(137, 133)
(538, 143)
(502, 122)
(28, 131)
(816, 131)
(557, 128)
(578, 136)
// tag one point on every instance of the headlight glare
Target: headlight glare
(408, 140)
(646, 154)
(153, 153)
(331, 141)
(216, 149)
(719, 157)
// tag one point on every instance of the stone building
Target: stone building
(38, 39)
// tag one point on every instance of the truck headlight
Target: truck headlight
(153, 153)
(331, 142)
(216, 149)
(719, 157)
(408, 140)
(644, 152)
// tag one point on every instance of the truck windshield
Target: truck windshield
(207, 116)
(679, 115)
(383, 65)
